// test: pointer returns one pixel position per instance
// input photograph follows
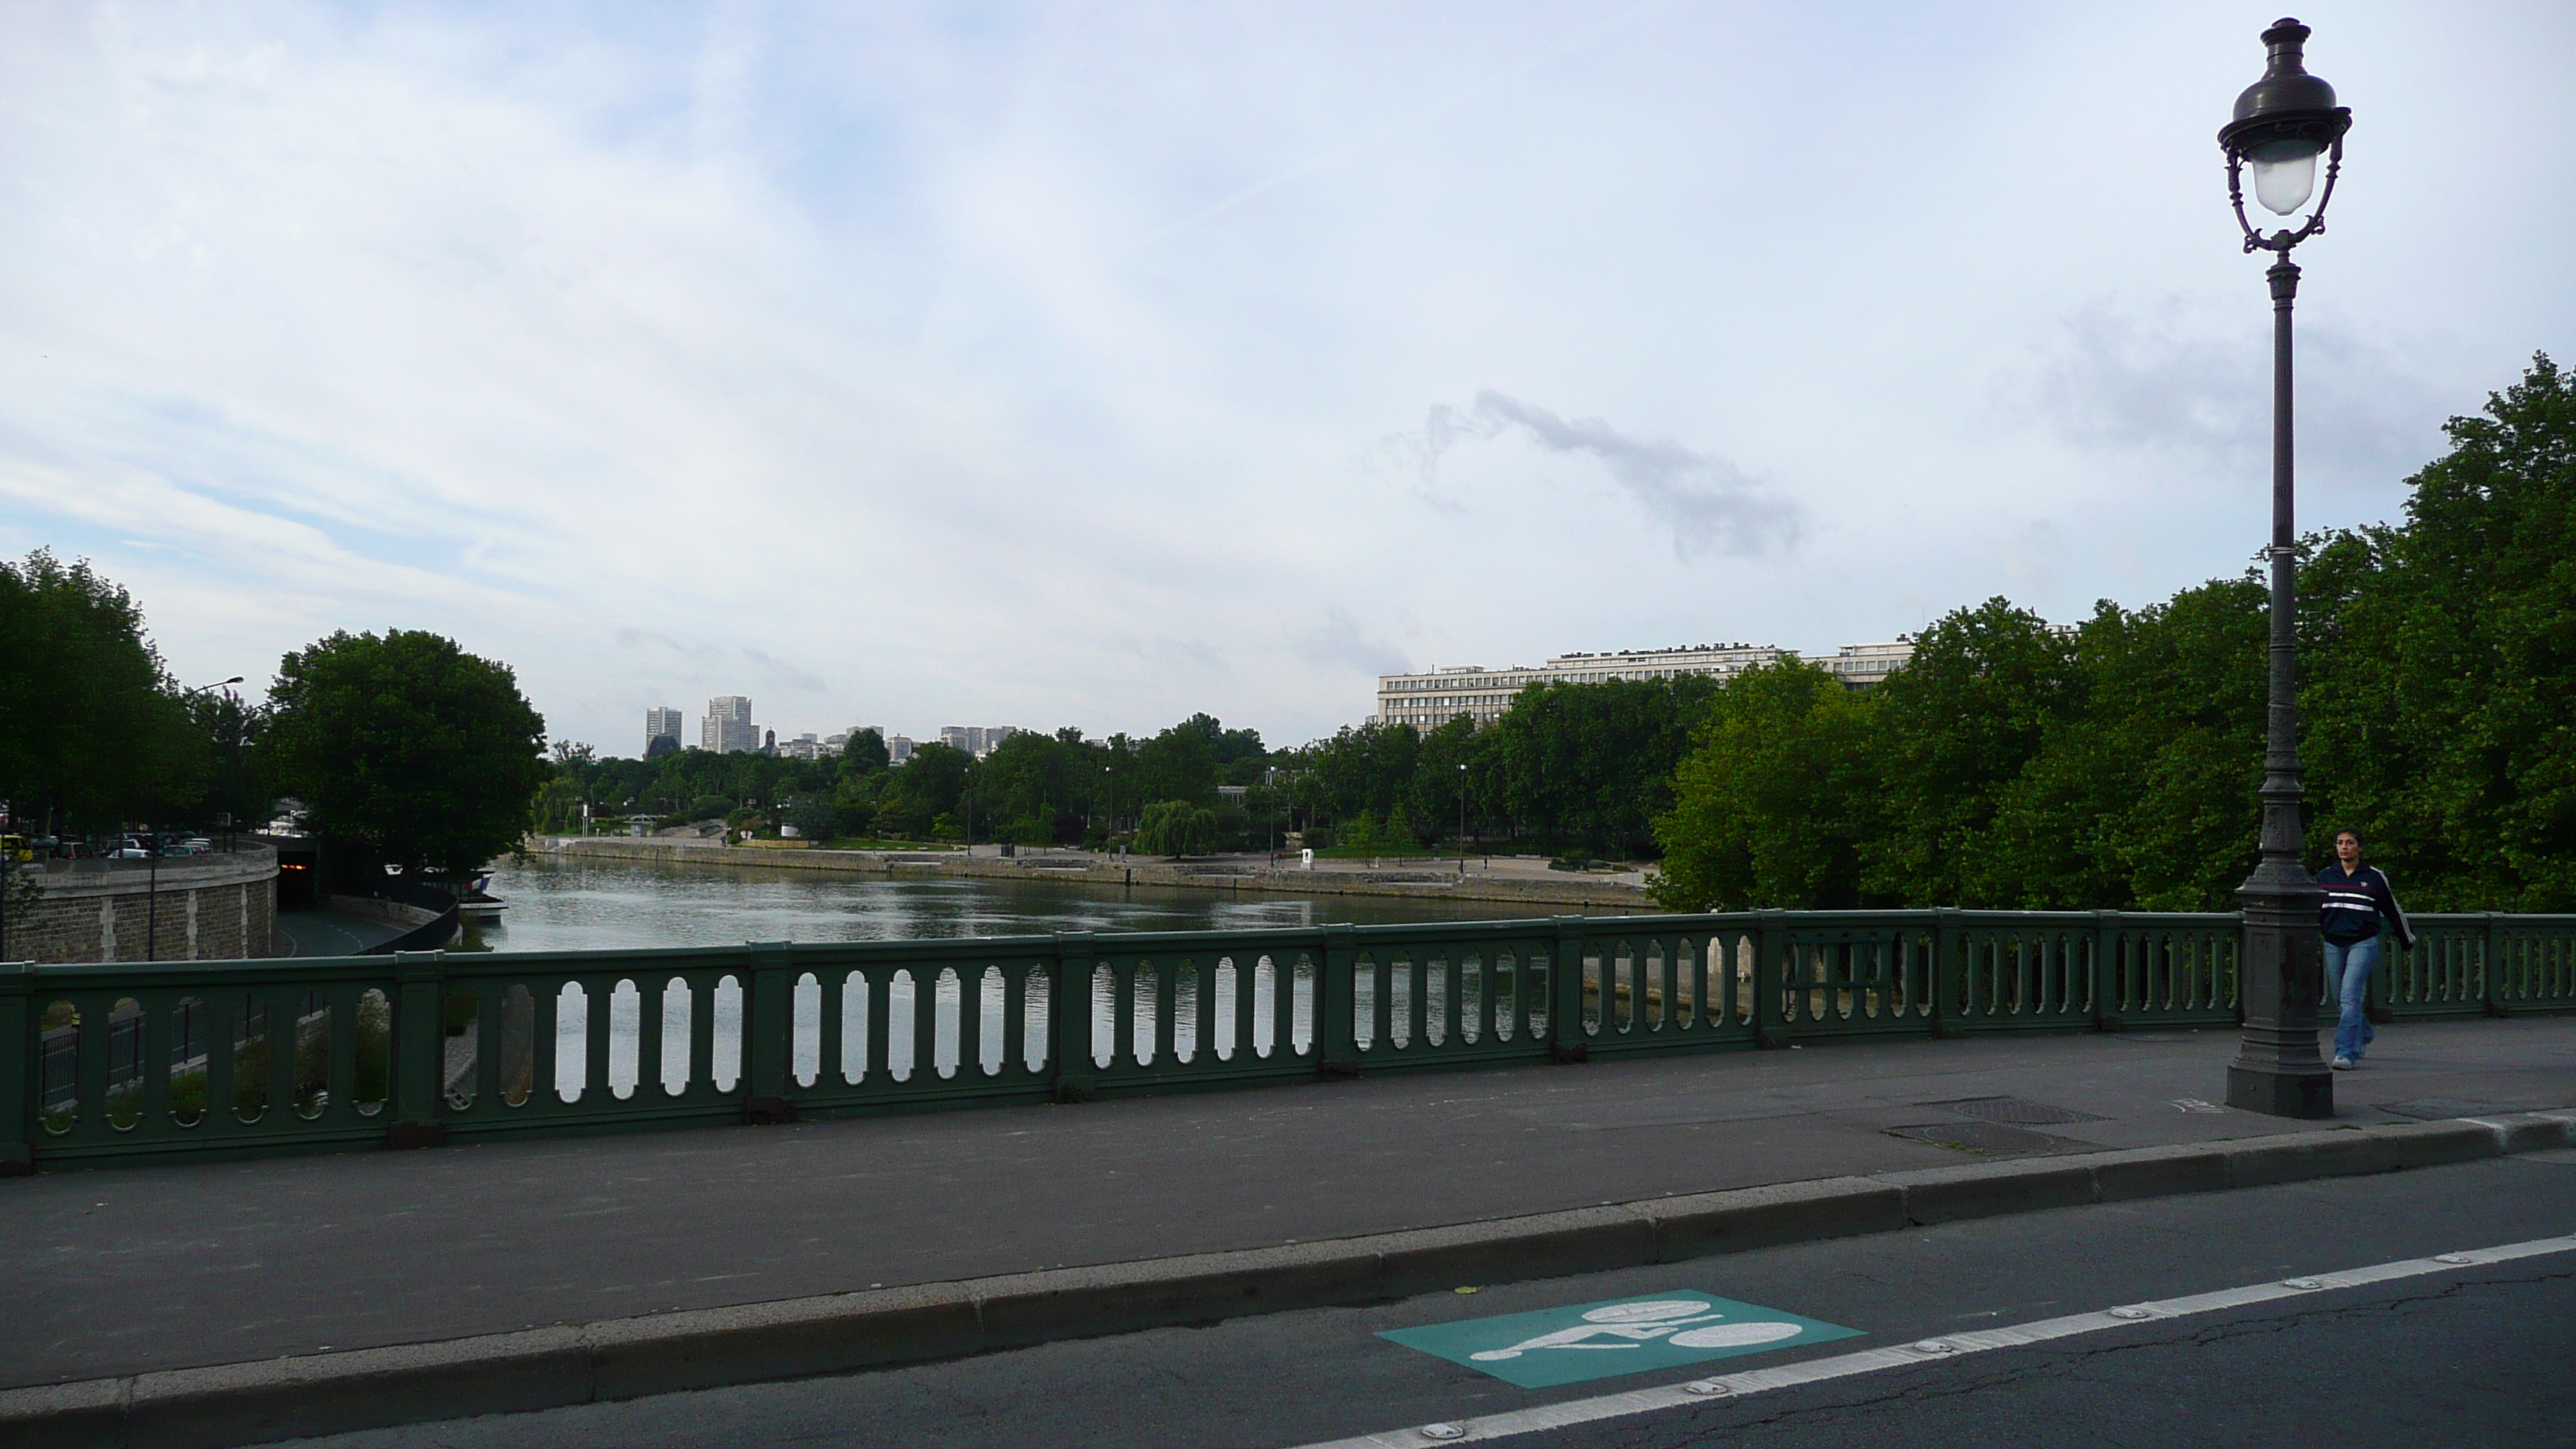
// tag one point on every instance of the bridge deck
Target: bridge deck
(117, 1271)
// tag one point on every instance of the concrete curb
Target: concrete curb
(234, 1404)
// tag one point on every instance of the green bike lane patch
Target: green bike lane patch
(1666, 1329)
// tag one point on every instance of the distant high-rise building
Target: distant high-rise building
(898, 749)
(661, 723)
(976, 740)
(728, 728)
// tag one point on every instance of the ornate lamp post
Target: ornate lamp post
(2283, 123)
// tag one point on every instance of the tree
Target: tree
(1776, 799)
(237, 784)
(2436, 718)
(408, 748)
(1960, 722)
(1593, 764)
(2142, 793)
(91, 726)
(865, 750)
(1176, 828)
(933, 779)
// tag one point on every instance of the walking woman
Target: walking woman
(2359, 905)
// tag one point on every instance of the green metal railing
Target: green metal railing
(126, 1062)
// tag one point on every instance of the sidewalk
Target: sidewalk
(124, 1271)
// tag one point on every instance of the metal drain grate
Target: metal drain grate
(2436, 1109)
(1984, 1138)
(2015, 1111)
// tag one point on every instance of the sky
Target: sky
(1100, 364)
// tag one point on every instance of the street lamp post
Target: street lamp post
(1462, 818)
(2283, 123)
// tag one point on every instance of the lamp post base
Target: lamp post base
(2277, 1093)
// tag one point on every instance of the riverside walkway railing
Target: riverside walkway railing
(130, 1062)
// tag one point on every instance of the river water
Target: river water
(559, 904)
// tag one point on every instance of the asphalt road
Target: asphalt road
(333, 933)
(2476, 1355)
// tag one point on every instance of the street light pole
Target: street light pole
(1462, 818)
(2283, 122)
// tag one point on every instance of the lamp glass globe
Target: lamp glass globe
(2284, 183)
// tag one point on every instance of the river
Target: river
(559, 904)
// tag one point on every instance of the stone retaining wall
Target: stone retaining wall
(204, 908)
(1575, 891)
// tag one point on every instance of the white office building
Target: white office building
(727, 728)
(660, 722)
(1427, 700)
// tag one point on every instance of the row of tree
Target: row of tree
(404, 749)
(1033, 788)
(2011, 765)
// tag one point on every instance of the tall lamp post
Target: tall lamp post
(1462, 818)
(2283, 123)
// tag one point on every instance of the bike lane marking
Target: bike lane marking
(1947, 1347)
(1641, 1333)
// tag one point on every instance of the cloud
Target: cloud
(2174, 387)
(779, 674)
(1705, 500)
(1338, 642)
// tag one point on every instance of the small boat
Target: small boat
(478, 903)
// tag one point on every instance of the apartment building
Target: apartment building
(1425, 700)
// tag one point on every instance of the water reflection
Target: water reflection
(566, 905)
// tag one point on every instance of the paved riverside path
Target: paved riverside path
(335, 933)
(125, 1270)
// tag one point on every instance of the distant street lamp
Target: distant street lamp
(2283, 123)
(1462, 818)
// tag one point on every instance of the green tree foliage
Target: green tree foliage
(93, 732)
(2438, 717)
(1176, 828)
(408, 748)
(1592, 764)
(237, 780)
(933, 780)
(1776, 802)
(1957, 726)
(2010, 766)
(866, 752)
(2142, 794)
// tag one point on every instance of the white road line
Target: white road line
(1929, 1350)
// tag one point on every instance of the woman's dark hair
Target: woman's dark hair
(2356, 835)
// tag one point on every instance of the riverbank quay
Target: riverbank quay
(1512, 880)
(219, 906)
(227, 1303)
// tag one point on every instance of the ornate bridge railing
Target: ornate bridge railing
(133, 1061)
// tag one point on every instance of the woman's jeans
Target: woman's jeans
(2348, 968)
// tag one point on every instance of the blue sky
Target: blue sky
(1094, 365)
